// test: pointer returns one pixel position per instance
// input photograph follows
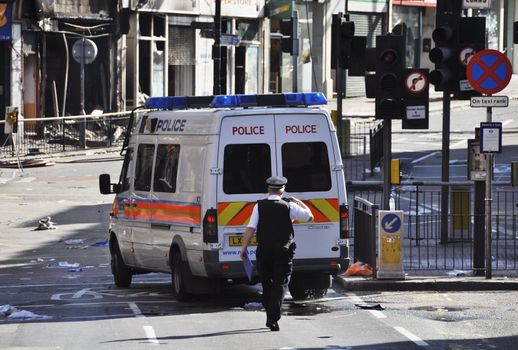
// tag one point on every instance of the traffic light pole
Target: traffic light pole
(216, 49)
(445, 175)
(488, 201)
(339, 87)
(295, 56)
(387, 163)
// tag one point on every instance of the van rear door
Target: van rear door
(305, 154)
(245, 156)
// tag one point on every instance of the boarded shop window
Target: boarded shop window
(181, 60)
(246, 168)
(306, 166)
(144, 167)
(166, 168)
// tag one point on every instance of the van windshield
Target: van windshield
(246, 168)
(306, 166)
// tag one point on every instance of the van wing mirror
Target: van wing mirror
(105, 185)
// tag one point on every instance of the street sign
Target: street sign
(89, 52)
(390, 223)
(489, 71)
(476, 4)
(390, 237)
(491, 137)
(416, 82)
(466, 55)
(489, 101)
(229, 40)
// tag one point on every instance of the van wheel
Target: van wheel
(304, 287)
(122, 274)
(178, 275)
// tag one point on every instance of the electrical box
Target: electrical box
(514, 174)
(476, 161)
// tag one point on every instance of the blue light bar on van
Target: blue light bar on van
(287, 99)
(233, 101)
(167, 102)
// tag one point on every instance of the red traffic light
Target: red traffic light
(389, 56)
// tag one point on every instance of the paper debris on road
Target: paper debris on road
(45, 224)
(253, 306)
(63, 265)
(74, 241)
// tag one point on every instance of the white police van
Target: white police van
(194, 168)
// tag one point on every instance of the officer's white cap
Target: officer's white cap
(276, 182)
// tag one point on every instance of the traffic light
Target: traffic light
(342, 33)
(445, 77)
(515, 32)
(290, 41)
(472, 39)
(390, 60)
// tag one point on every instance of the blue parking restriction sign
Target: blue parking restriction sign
(489, 71)
(391, 223)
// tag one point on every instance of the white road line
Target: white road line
(459, 143)
(424, 157)
(377, 314)
(135, 309)
(418, 341)
(508, 121)
(150, 332)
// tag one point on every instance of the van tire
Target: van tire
(122, 274)
(314, 286)
(178, 277)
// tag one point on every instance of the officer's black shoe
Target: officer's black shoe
(274, 326)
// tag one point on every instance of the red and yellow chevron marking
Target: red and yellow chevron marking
(234, 213)
(238, 213)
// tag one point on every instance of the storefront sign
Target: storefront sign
(5, 22)
(279, 9)
(233, 8)
(476, 4)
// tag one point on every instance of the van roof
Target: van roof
(208, 121)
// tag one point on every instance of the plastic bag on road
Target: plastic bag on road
(359, 269)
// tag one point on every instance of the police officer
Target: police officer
(271, 220)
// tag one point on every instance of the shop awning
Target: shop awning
(416, 3)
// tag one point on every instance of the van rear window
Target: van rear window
(246, 168)
(306, 166)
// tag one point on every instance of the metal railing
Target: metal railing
(424, 248)
(53, 135)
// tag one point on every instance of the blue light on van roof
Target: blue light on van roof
(233, 101)
(314, 98)
(167, 102)
(225, 101)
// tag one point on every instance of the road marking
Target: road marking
(77, 295)
(459, 143)
(424, 157)
(418, 341)
(150, 332)
(508, 121)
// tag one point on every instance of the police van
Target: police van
(193, 169)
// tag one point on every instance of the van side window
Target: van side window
(166, 168)
(124, 180)
(144, 167)
(306, 166)
(246, 168)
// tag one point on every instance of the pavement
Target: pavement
(428, 283)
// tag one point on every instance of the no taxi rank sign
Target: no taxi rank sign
(489, 71)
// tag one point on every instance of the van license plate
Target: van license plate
(234, 241)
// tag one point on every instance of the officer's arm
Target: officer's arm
(247, 236)
(304, 206)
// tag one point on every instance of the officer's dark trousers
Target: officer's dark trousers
(275, 267)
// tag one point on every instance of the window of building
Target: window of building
(246, 168)
(181, 61)
(306, 166)
(144, 167)
(166, 168)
